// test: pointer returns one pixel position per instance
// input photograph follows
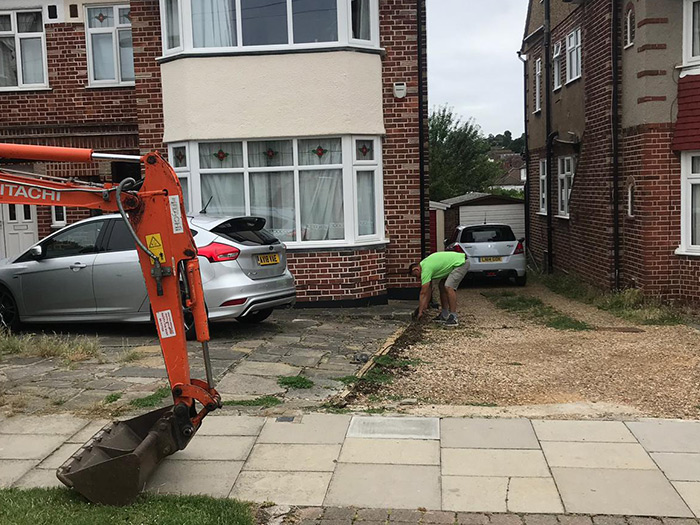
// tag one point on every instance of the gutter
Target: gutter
(421, 125)
(615, 123)
(548, 129)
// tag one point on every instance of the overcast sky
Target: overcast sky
(472, 61)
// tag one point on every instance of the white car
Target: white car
(492, 250)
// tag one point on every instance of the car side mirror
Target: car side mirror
(36, 252)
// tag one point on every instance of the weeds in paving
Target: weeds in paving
(129, 356)
(629, 304)
(70, 348)
(151, 401)
(388, 361)
(481, 404)
(113, 397)
(300, 382)
(534, 308)
(375, 410)
(262, 402)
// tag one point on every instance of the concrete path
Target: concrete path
(638, 468)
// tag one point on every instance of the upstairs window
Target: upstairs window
(556, 66)
(543, 186)
(565, 177)
(629, 27)
(691, 32)
(573, 55)
(538, 85)
(22, 50)
(110, 48)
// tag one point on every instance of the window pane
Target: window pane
(102, 56)
(8, 64)
(76, 241)
(12, 211)
(315, 20)
(361, 20)
(364, 149)
(272, 197)
(264, 22)
(270, 153)
(120, 240)
(226, 193)
(126, 55)
(172, 24)
(179, 159)
(32, 61)
(696, 29)
(5, 23)
(27, 212)
(29, 22)
(695, 215)
(100, 17)
(220, 155)
(319, 152)
(59, 214)
(125, 15)
(321, 197)
(185, 185)
(695, 167)
(366, 210)
(214, 23)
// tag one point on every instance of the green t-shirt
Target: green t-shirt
(439, 265)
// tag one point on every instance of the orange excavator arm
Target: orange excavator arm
(114, 465)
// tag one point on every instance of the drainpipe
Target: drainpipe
(421, 125)
(548, 129)
(615, 122)
(526, 153)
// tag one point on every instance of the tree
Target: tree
(458, 156)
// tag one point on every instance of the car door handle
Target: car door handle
(77, 266)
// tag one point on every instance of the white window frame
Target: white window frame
(349, 167)
(688, 58)
(573, 55)
(183, 172)
(55, 223)
(543, 187)
(114, 31)
(21, 85)
(538, 85)
(629, 27)
(556, 66)
(344, 24)
(688, 180)
(562, 172)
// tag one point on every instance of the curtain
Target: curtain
(321, 198)
(102, 56)
(214, 23)
(172, 23)
(226, 192)
(185, 185)
(695, 215)
(331, 152)
(8, 64)
(272, 197)
(267, 153)
(366, 209)
(126, 55)
(32, 60)
(361, 26)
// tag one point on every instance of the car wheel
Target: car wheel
(9, 315)
(255, 317)
(521, 281)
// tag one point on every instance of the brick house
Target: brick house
(305, 112)
(622, 208)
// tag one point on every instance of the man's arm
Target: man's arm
(426, 292)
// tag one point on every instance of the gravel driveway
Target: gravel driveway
(500, 359)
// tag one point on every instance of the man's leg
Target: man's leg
(450, 285)
(444, 302)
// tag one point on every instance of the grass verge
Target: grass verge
(629, 304)
(51, 506)
(70, 348)
(535, 309)
(263, 402)
(111, 398)
(153, 400)
(295, 382)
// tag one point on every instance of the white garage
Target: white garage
(480, 208)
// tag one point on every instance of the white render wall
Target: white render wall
(272, 96)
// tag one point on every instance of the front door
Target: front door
(19, 228)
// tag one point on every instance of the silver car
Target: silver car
(89, 272)
(492, 251)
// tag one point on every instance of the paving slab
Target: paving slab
(617, 491)
(474, 494)
(255, 368)
(667, 435)
(534, 495)
(23, 446)
(299, 458)
(394, 427)
(215, 425)
(217, 448)
(310, 428)
(597, 455)
(38, 478)
(385, 486)
(211, 478)
(391, 451)
(483, 462)
(141, 371)
(60, 456)
(242, 384)
(88, 431)
(63, 424)
(12, 470)
(678, 466)
(488, 433)
(690, 492)
(593, 431)
(290, 488)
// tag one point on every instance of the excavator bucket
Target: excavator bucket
(113, 466)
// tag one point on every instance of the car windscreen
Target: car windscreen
(248, 231)
(487, 233)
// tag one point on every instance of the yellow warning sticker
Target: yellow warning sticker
(155, 244)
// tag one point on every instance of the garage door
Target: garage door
(511, 214)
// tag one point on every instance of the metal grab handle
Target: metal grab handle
(77, 266)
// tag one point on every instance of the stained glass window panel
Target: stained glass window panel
(320, 152)
(220, 155)
(263, 153)
(100, 17)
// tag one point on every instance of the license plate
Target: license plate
(272, 258)
(491, 259)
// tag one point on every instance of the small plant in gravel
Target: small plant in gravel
(295, 382)
(129, 356)
(111, 398)
(534, 308)
(262, 402)
(151, 401)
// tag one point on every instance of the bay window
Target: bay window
(691, 32)
(319, 191)
(22, 50)
(110, 46)
(690, 203)
(245, 25)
